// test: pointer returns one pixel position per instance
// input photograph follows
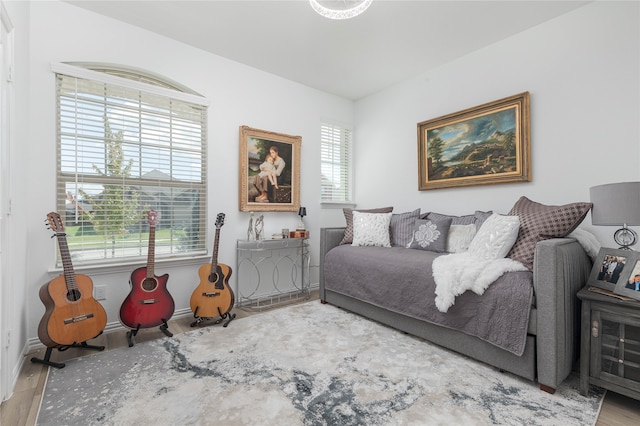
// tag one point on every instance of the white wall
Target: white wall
(14, 253)
(239, 95)
(582, 70)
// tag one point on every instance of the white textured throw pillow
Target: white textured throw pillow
(495, 237)
(459, 238)
(371, 229)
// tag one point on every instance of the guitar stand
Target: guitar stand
(131, 334)
(228, 316)
(47, 356)
(164, 328)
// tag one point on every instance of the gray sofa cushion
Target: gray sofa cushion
(401, 228)
(430, 234)
(348, 216)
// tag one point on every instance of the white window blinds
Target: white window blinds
(124, 148)
(335, 163)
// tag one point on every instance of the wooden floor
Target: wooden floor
(22, 408)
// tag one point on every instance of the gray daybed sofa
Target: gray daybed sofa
(551, 340)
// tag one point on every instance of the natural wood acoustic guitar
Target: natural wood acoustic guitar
(149, 303)
(213, 297)
(72, 316)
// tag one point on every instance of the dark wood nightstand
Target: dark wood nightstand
(610, 344)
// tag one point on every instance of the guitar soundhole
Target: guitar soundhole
(213, 277)
(149, 284)
(73, 295)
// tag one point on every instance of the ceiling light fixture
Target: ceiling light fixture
(340, 9)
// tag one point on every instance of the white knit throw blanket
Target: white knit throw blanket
(456, 273)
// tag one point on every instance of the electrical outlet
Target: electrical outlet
(100, 292)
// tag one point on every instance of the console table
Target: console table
(271, 272)
(610, 344)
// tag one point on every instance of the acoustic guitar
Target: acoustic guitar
(213, 297)
(72, 316)
(149, 303)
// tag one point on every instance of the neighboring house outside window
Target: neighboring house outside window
(335, 164)
(129, 142)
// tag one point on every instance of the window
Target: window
(335, 163)
(129, 143)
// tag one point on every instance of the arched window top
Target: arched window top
(134, 74)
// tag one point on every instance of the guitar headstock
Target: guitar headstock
(55, 223)
(220, 220)
(152, 217)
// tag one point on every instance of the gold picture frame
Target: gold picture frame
(265, 185)
(486, 144)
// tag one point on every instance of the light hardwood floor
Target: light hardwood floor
(21, 409)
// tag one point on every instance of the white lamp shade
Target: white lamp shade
(616, 204)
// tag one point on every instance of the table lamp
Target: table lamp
(302, 212)
(617, 204)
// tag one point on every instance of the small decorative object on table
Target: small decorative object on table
(260, 228)
(285, 232)
(299, 234)
(612, 266)
(250, 233)
(629, 285)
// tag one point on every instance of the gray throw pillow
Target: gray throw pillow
(455, 220)
(401, 228)
(477, 218)
(481, 217)
(430, 234)
(348, 216)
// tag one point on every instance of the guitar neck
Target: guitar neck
(214, 258)
(67, 266)
(151, 253)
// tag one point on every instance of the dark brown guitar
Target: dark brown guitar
(213, 297)
(72, 316)
(149, 303)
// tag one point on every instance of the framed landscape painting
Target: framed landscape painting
(612, 267)
(269, 171)
(482, 145)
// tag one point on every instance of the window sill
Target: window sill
(336, 205)
(128, 266)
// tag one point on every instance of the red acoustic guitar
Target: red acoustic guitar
(149, 303)
(213, 297)
(72, 316)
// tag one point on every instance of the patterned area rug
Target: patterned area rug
(308, 364)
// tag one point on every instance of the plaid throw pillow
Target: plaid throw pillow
(348, 215)
(540, 222)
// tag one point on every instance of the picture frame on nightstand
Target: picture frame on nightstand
(612, 267)
(630, 286)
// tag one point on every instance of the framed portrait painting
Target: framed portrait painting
(482, 145)
(269, 171)
(629, 285)
(611, 267)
